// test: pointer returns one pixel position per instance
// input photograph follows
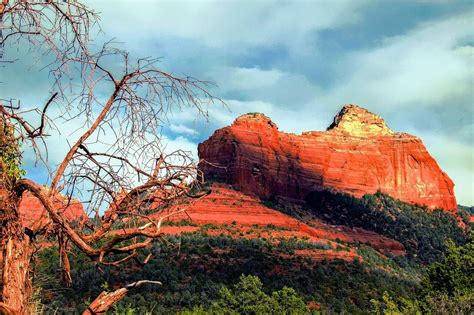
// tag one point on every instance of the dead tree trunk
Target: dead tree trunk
(16, 256)
(105, 300)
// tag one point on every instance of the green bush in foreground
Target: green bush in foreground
(247, 297)
(447, 287)
(454, 275)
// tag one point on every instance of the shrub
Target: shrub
(423, 233)
(247, 297)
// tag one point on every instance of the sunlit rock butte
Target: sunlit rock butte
(358, 154)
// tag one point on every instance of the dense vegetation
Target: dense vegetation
(247, 297)
(469, 210)
(423, 233)
(447, 287)
(203, 274)
(194, 276)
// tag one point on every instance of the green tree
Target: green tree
(247, 297)
(289, 302)
(447, 287)
(390, 306)
(454, 275)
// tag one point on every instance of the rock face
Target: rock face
(358, 154)
(32, 212)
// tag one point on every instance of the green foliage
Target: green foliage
(433, 304)
(248, 297)
(447, 287)
(289, 245)
(194, 276)
(124, 310)
(466, 209)
(423, 233)
(199, 272)
(289, 302)
(454, 275)
(10, 156)
(389, 306)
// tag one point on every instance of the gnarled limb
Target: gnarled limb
(126, 172)
(65, 265)
(105, 300)
(16, 254)
(150, 230)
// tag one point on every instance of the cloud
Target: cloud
(287, 119)
(179, 143)
(240, 24)
(281, 88)
(242, 79)
(428, 64)
(299, 62)
(457, 159)
(182, 129)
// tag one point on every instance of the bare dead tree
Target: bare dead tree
(116, 161)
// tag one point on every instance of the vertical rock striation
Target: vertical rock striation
(358, 154)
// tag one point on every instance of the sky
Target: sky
(299, 62)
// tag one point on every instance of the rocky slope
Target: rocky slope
(238, 215)
(358, 154)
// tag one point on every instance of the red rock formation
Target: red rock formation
(32, 211)
(470, 218)
(247, 215)
(358, 154)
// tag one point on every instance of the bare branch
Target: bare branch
(116, 158)
(105, 300)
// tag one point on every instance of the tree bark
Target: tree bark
(65, 265)
(105, 300)
(16, 254)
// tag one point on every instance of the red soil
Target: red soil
(471, 218)
(329, 254)
(247, 217)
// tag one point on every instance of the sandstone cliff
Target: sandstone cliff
(358, 154)
(32, 212)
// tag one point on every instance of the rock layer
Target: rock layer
(225, 206)
(32, 212)
(358, 154)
